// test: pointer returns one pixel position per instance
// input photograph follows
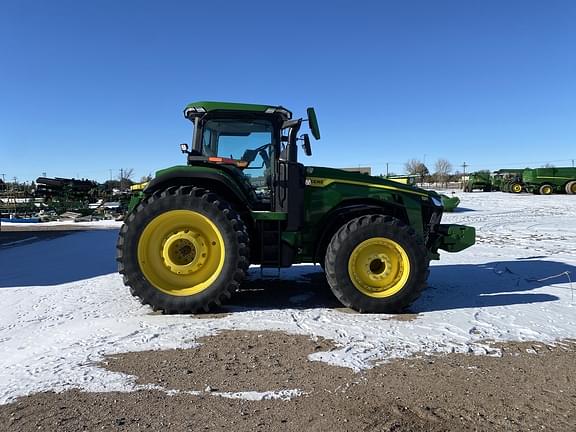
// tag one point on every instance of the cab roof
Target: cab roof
(211, 106)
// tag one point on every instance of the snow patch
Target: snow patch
(64, 309)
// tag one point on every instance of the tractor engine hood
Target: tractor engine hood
(321, 176)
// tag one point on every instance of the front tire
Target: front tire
(376, 264)
(183, 250)
(516, 188)
(545, 189)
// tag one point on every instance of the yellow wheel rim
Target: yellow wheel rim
(517, 188)
(379, 267)
(546, 190)
(181, 252)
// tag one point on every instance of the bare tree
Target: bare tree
(416, 167)
(125, 177)
(146, 178)
(442, 170)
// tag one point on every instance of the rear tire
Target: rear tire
(571, 188)
(183, 250)
(376, 264)
(545, 189)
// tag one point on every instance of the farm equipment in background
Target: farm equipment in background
(478, 180)
(243, 198)
(546, 181)
(508, 180)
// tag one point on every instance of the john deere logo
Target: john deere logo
(310, 181)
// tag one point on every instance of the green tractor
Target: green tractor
(244, 199)
(508, 180)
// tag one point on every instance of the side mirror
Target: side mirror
(313, 123)
(184, 148)
(306, 145)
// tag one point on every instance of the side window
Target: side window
(258, 170)
(246, 141)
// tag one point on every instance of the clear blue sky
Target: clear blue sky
(86, 87)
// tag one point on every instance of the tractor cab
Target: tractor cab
(255, 143)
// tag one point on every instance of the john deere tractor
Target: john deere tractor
(244, 199)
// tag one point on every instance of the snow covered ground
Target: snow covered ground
(63, 306)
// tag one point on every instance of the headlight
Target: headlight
(437, 202)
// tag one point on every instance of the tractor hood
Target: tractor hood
(320, 176)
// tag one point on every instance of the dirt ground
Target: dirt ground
(530, 387)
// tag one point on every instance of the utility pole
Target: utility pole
(572, 163)
(387, 168)
(464, 165)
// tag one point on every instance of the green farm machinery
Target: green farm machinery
(243, 199)
(546, 181)
(478, 180)
(508, 180)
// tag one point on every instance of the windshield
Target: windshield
(231, 138)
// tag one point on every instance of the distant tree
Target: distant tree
(442, 170)
(125, 178)
(416, 167)
(146, 178)
(548, 165)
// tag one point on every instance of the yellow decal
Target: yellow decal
(323, 182)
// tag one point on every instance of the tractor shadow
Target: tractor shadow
(298, 287)
(461, 210)
(53, 258)
(500, 283)
(457, 286)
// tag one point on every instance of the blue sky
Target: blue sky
(90, 87)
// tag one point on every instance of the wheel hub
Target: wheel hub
(378, 267)
(184, 252)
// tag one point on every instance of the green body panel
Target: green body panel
(191, 170)
(556, 177)
(327, 188)
(456, 237)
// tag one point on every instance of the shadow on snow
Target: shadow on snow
(454, 286)
(86, 254)
(58, 258)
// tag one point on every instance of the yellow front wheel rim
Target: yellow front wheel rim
(379, 267)
(517, 188)
(181, 252)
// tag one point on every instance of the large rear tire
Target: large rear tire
(183, 250)
(571, 187)
(376, 264)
